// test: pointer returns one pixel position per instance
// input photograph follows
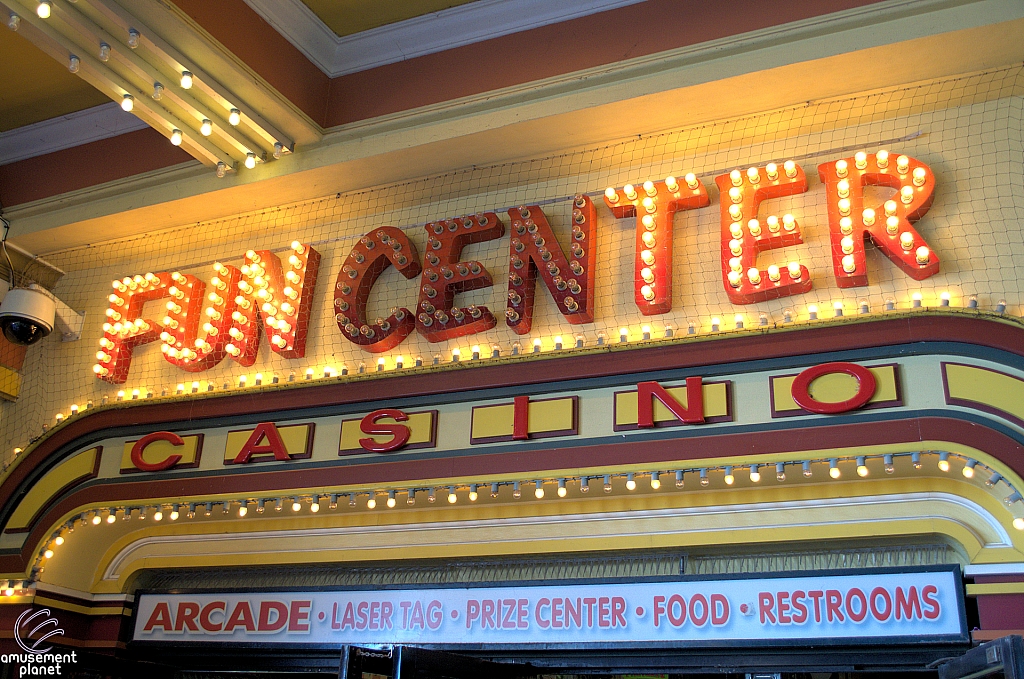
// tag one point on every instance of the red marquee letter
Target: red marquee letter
(533, 251)
(399, 432)
(654, 204)
(744, 236)
(261, 288)
(374, 253)
(254, 446)
(801, 385)
(693, 413)
(438, 319)
(139, 449)
(125, 328)
(887, 225)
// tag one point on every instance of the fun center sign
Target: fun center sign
(923, 605)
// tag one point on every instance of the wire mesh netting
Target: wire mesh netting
(968, 129)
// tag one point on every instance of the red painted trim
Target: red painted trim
(240, 29)
(595, 40)
(1001, 611)
(87, 165)
(79, 628)
(978, 330)
(528, 463)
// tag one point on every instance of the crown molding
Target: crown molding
(427, 34)
(64, 132)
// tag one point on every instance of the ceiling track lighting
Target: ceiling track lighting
(234, 130)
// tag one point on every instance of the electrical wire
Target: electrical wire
(3, 246)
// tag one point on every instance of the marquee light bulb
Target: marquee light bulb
(729, 478)
(630, 481)
(562, 490)
(235, 116)
(452, 497)
(44, 8)
(862, 467)
(186, 80)
(944, 462)
(206, 128)
(96, 520)
(755, 475)
(127, 103)
(250, 160)
(968, 470)
(296, 506)
(539, 490)
(655, 481)
(391, 499)
(611, 194)
(473, 494)
(833, 468)
(1018, 523)
(371, 503)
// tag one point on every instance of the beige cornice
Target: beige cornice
(893, 44)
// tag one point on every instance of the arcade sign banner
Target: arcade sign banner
(920, 605)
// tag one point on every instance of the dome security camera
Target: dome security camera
(27, 315)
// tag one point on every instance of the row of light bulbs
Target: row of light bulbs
(476, 353)
(942, 459)
(45, 8)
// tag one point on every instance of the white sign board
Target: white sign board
(919, 605)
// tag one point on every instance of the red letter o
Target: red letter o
(865, 388)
